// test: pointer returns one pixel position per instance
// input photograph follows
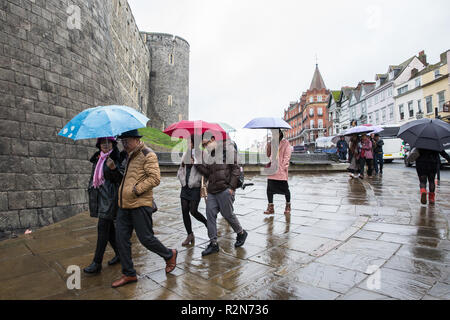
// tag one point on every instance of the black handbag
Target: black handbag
(93, 204)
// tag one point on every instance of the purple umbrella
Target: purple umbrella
(358, 130)
(267, 123)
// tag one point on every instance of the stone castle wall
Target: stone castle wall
(169, 77)
(50, 70)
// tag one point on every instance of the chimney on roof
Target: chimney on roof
(423, 57)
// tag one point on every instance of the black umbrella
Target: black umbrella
(431, 134)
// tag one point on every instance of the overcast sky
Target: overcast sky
(250, 58)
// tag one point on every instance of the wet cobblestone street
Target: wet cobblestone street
(345, 239)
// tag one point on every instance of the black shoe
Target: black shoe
(93, 268)
(114, 261)
(212, 248)
(240, 240)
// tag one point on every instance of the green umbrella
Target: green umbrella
(226, 127)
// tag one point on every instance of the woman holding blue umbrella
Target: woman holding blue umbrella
(103, 188)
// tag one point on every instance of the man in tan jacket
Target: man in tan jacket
(136, 206)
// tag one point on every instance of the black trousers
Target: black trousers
(278, 187)
(369, 163)
(105, 233)
(192, 207)
(139, 219)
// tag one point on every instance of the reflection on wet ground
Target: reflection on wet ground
(345, 239)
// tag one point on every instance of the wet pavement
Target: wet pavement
(345, 239)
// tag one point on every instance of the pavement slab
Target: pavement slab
(345, 239)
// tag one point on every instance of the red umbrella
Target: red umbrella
(186, 128)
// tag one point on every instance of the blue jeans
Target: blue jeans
(378, 159)
(343, 155)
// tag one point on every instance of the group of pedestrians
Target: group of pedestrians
(121, 195)
(365, 151)
(121, 189)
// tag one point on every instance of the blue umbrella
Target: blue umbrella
(103, 121)
(267, 123)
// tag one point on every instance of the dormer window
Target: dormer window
(436, 74)
(391, 75)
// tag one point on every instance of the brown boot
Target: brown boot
(190, 239)
(287, 209)
(270, 209)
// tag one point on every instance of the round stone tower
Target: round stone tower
(169, 79)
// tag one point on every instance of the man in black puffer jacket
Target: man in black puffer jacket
(221, 170)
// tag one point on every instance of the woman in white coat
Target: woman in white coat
(190, 180)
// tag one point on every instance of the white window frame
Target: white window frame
(410, 108)
(400, 109)
(402, 90)
(418, 82)
(441, 105)
(436, 74)
(431, 103)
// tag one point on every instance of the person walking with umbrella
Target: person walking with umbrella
(426, 168)
(190, 180)
(428, 137)
(103, 187)
(278, 182)
(136, 206)
(105, 121)
(222, 171)
(366, 155)
(353, 157)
